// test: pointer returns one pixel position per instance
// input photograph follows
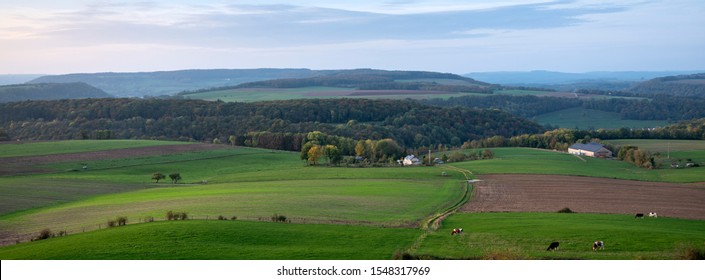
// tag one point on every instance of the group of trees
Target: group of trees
(175, 177)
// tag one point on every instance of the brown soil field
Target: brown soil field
(550, 193)
(28, 165)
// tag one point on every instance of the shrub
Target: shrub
(112, 223)
(279, 218)
(222, 218)
(169, 215)
(183, 216)
(121, 221)
(148, 219)
(44, 234)
(565, 210)
(233, 218)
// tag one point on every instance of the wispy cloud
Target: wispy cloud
(444, 35)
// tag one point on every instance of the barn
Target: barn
(591, 150)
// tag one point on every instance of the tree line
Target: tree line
(274, 124)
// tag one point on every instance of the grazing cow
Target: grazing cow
(553, 246)
(598, 245)
(456, 231)
(653, 215)
(639, 215)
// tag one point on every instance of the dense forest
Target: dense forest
(409, 123)
(49, 91)
(681, 85)
(660, 107)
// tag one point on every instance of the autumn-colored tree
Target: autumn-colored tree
(314, 153)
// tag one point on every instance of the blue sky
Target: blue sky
(61, 36)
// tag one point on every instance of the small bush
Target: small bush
(44, 234)
(148, 219)
(233, 218)
(222, 218)
(121, 221)
(565, 210)
(172, 216)
(279, 218)
(112, 223)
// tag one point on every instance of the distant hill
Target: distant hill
(139, 84)
(17, 78)
(681, 85)
(554, 78)
(49, 91)
(349, 83)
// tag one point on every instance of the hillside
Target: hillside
(681, 85)
(49, 91)
(368, 83)
(139, 84)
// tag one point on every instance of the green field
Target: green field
(527, 235)
(234, 240)
(535, 161)
(592, 119)
(385, 205)
(75, 146)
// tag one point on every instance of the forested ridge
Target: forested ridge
(49, 91)
(660, 107)
(409, 123)
(371, 79)
(681, 85)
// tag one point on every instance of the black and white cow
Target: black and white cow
(553, 246)
(598, 245)
(653, 215)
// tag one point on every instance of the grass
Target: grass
(74, 146)
(527, 235)
(208, 240)
(22, 193)
(381, 202)
(534, 161)
(592, 119)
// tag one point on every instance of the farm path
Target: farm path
(550, 193)
(29, 164)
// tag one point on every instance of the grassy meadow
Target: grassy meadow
(535, 161)
(527, 235)
(592, 119)
(231, 240)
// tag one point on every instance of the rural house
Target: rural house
(410, 160)
(591, 150)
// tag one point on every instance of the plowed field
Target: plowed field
(550, 193)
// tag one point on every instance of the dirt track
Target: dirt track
(550, 193)
(28, 165)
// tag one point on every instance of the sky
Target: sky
(88, 36)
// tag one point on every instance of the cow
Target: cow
(653, 215)
(553, 246)
(456, 231)
(598, 245)
(639, 215)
